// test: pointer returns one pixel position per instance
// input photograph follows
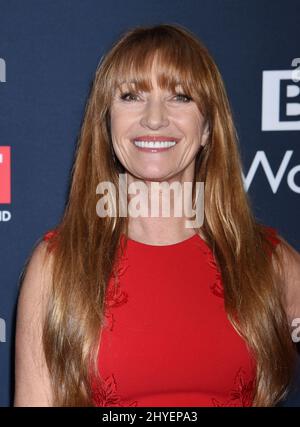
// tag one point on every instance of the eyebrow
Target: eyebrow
(123, 82)
(129, 82)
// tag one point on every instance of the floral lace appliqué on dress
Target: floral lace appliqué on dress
(115, 296)
(107, 394)
(241, 393)
(216, 286)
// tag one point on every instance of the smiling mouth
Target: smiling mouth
(154, 146)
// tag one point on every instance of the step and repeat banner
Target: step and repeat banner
(49, 50)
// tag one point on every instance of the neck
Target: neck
(159, 212)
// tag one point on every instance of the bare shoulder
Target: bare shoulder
(290, 272)
(36, 278)
(32, 382)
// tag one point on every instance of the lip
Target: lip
(154, 138)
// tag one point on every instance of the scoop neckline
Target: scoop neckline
(133, 242)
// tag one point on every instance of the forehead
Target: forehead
(136, 84)
(151, 71)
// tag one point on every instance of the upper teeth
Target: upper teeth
(155, 144)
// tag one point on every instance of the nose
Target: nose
(155, 114)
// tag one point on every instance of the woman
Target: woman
(185, 316)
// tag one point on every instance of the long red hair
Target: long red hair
(84, 249)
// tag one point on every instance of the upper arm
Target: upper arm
(290, 273)
(32, 381)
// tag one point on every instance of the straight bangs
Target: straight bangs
(176, 63)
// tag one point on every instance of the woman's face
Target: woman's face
(173, 121)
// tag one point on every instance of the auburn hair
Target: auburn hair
(85, 247)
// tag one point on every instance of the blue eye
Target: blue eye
(183, 97)
(125, 96)
(130, 96)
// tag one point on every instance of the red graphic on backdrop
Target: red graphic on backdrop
(5, 175)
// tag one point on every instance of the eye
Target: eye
(183, 97)
(128, 96)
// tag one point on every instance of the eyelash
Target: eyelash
(124, 95)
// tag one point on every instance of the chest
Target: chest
(166, 322)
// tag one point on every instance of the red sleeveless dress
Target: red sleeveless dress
(167, 340)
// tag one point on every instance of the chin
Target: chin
(152, 176)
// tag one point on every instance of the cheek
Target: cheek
(118, 125)
(192, 130)
(196, 126)
(189, 121)
(121, 122)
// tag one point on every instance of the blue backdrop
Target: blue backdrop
(49, 51)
